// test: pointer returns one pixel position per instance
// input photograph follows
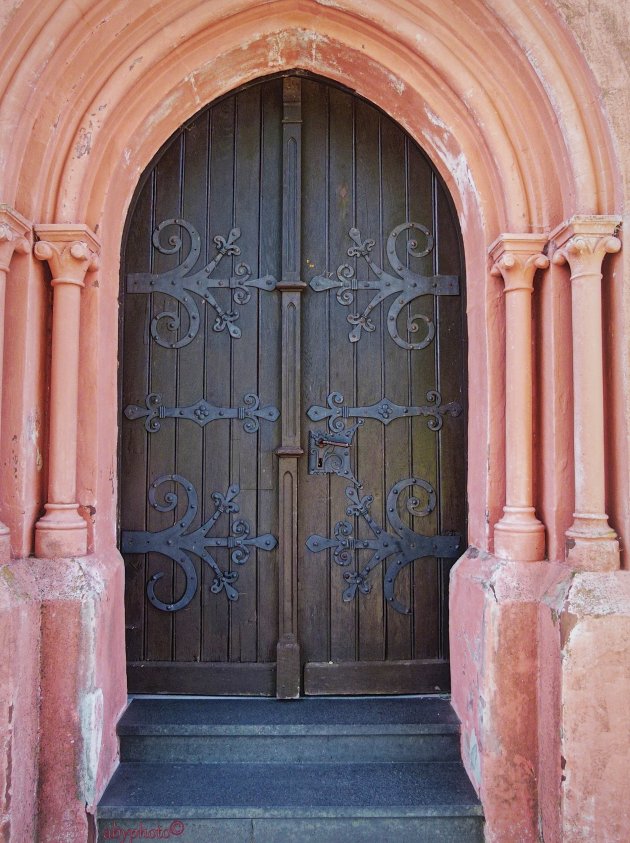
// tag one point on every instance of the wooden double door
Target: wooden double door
(292, 456)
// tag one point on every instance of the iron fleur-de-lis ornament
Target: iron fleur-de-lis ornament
(406, 286)
(187, 289)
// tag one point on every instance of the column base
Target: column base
(61, 532)
(519, 536)
(591, 543)
(5, 543)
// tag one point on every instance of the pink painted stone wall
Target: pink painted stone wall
(527, 117)
(19, 704)
(62, 690)
(82, 689)
(541, 674)
(595, 742)
(502, 690)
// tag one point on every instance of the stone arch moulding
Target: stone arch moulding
(512, 131)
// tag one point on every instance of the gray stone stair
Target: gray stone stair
(327, 769)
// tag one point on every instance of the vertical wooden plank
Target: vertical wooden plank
(163, 380)
(343, 616)
(218, 367)
(396, 371)
(452, 358)
(244, 456)
(369, 380)
(269, 374)
(134, 440)
(423, 377)
(190, 382)
(314, 569)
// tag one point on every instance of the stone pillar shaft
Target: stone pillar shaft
(13, 228)
(64, 393)
(588, 408)
(519, 535)
(71, 251)
(582, 243)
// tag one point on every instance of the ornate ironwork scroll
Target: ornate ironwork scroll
(329, 453)
(401, 548)
(175, 543)
(202, 413)
(406, 287)
(384, 411)
(177, 284)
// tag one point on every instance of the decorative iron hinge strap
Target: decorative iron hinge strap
(178, 285)
(202, 413)
(401, 548)
(384, 411)
(407, 286)
(175, 543)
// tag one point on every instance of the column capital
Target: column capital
(584, 241)
(70, 251)
(14, 235)
(516, 257)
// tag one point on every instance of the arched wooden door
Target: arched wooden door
(293, 403)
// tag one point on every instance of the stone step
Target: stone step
(279, 803)
(316, 729)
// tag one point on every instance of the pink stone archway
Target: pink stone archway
(499, 97)
(117, 78)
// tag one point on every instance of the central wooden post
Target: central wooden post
(290, 287)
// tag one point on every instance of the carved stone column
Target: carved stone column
(582, 243)
(71, 251)
(519, 535)
(13, 231)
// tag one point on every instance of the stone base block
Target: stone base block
(5, 544)
(595, 705)
(19, 692)
(592, 554)
(494, 606)
(541, 682)
(62, 689)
